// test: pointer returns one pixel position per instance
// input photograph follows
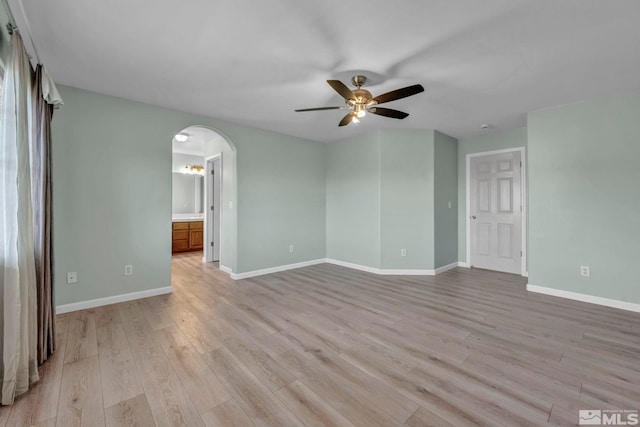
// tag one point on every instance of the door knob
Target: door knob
(473, 217)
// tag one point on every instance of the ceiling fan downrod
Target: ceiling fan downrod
(358, 81)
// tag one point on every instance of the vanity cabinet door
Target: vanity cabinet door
(196, 238)
(196, 235)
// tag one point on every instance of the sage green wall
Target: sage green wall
(111, 166)
(381, 199)
(407, 199)
(584, 198)
(491, 141)
(445, 193)
(281, 189)
(112, 195)
(353, 200)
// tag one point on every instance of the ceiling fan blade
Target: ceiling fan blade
(341, 88)
(347, 119)
(388, 112)
(399, 94)
(321, 108)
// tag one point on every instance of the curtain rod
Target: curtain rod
(11, 25)
(25, 32)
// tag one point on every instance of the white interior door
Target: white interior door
(496, 212)
(213, 208)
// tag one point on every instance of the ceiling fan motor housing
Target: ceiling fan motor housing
(363, 96)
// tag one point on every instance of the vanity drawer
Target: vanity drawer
(180, 225)
(180, 246)
(196, 225)
(181, 235)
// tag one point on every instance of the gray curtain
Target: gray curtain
(18, 305)
(41, 191)
(27, 312)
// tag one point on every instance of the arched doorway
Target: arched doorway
(210, 157)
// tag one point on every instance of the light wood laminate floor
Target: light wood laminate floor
(325, 345)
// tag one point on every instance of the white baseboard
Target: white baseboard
(277, 269)
(464, 264)
(342, 264)
(353, 266)
(446, 267)
(623, 305)
(392, 272)
(83, 305)
(405, 272)
(225, 269)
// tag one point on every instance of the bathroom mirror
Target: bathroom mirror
(187, 165)
(187, 193)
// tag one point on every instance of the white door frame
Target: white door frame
(208, 230)
(523, 184)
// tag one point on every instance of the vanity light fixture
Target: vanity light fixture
(194, 170)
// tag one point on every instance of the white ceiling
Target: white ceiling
(254, 62)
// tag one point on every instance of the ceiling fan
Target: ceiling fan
(361, 101)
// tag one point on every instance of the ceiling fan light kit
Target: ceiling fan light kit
(361, 101)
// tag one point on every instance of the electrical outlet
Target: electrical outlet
(291, 248)
(585, 271)
(403, 252)
(72, 277)
(128, 270)
(449, 205)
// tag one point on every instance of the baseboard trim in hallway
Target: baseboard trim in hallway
(607, 302)
(393, 272)
(379, 271)
(270, 270)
